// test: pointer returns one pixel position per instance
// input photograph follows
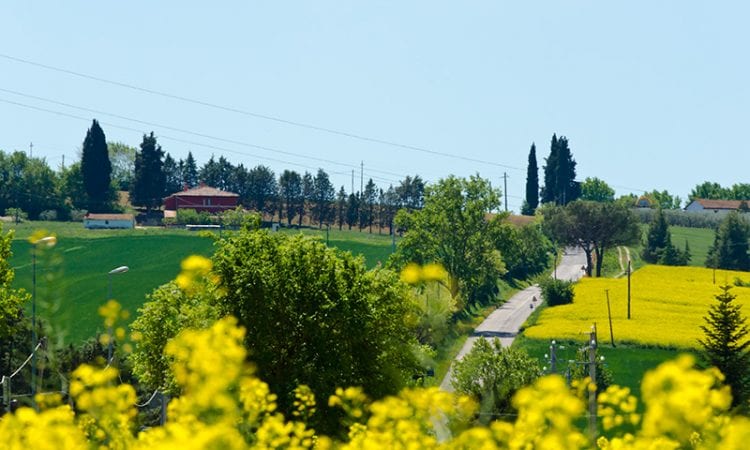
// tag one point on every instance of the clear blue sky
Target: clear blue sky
(651, 95)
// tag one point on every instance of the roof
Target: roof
(719, 204)
(204, 191)
(109, 216)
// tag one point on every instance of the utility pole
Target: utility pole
(31, 149)
(505, 189)
(63, 163)
(628, 288)
(553, 357)
(609, 314)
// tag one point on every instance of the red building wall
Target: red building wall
(200, 203)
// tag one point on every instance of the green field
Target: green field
(699, 240)
(72, 280)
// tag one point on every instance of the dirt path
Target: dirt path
(623, 257)
(506, 320)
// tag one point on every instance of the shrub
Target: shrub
(49, 214)
(17, 214)
(557, 292)
(77, 215)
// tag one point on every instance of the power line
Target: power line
(257, 115)
(184, 141)
(193, 133)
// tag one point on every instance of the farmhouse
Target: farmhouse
(716, 206)
(123, 221)
(201, 198)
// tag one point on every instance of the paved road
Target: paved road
(506, 320)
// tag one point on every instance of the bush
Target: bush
(48, 214)
(77, 215)
(17, 214)
(557, 292)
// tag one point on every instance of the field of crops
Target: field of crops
(667, 307)
(72, 277)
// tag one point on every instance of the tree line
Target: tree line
(29, 187)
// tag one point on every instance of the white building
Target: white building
(716, 206)
(124, 221)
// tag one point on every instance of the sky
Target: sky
(651, 95)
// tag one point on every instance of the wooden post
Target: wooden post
(592, 390)
(609, 313)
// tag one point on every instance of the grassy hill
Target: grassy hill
(72, 280)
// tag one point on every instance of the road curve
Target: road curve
(506, 320)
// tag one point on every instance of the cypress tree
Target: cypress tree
(657, 239)
(724, 344)
(149, 182)
(96, 169)
(567, 189)
(549, 192)
(532, 184)
(190, 171)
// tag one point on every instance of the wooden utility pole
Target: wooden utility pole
(609, 313)
(629, 288)
(505, 189)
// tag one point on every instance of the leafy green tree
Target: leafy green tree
(592, 226)
(492, 374)
(596, 190)
(263, 189)
(367, 206)
(172, 176)
(390, 206)
(452, 229)
(122, 158)
(308, 195)
(323, 194)
(316, 316)
(730, 247)
(411, 192)
(659, 248)
(217, 174)
(28, 184)
(525, 250)
(190, 171)
(663, 199)
(352, 210)
(290, 191)
(167, 311)
(725, 344)
(71, 186)
(741, 191)
(341, 207)
(149, 181)
(710, 190)
(96, 169)
(532, 184)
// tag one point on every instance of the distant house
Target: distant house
(110, 221)
(201, 198)
(643, 202)
(716, 206)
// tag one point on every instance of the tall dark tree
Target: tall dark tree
(308, 195)
(560, 186)
(290, 192)
(367, 210)
(352, 210)
(172, 176)
(730, 247)
(323, 196)
(263, 189)
(96, 169)
(659, 248)
(239, 183)
(341, 207)
(149, 181)
(190, 171)
(725, 345)
(532, 184)
(549, 191)
(411, 192)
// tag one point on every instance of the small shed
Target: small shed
(109, 221)
(202, 198)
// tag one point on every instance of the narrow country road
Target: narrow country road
(506, 320)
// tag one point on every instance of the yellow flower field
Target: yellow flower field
(667, 307)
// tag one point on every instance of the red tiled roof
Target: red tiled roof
(109, 216)
(719, 204)
(204, 191)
